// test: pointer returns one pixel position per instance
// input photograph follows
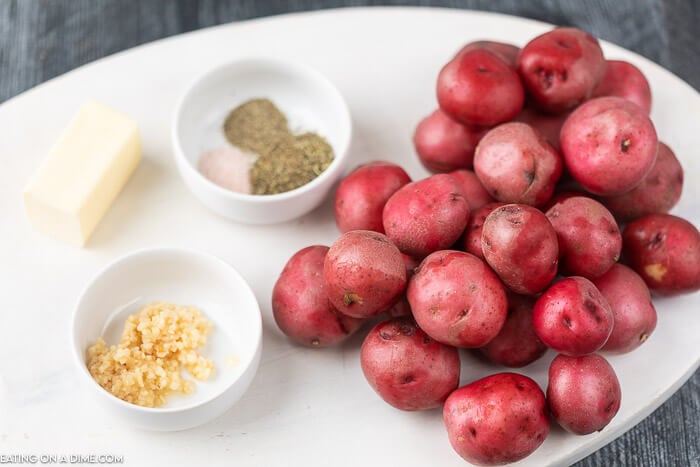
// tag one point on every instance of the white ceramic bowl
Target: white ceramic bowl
(308, 99)
(183, 277)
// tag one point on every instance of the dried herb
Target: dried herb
(285, 161)
(256, 126)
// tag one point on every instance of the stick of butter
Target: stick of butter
(83, 173)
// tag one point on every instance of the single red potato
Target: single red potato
(517, 165)
(517, 344)
(407, 368)
(520, 244)
(427, 215)
(471, 239)
(573, 317)
(361, 196)
(658, 192)
(634, 314)
(561, 68)
(561, 196)
(547, 124)
(364, 273)
(300, 304)
(400, 308)
(474, 191)
(622, 79)
(457, 300)
(444, 144)
(496, 420)
(508, 52)
(480, 88)
(589, 239)
(609, 145)
(664, 250)
(583, 393)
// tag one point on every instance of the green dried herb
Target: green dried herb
(285, 161)
(256, 126)
(290, 166)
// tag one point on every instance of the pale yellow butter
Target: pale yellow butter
(83, 173)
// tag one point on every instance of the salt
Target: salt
(227, 167)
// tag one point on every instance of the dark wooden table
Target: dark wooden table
(40, 39)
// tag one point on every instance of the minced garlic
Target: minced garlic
(156, 344)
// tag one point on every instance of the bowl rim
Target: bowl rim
(302, 69)
(78, 354)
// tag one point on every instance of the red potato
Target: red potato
(444, 144)
(402, 307)
(427, 215)
(480, 88)
(573, 317)
(476, 194)
(664, 250)
(508, 52)
(622, 79)
(517, 344)
(609, 145)
(300, 304)
(589, 239)
(364, 273)
(634, 314)
(497, 420)
(361, 196)
(658, 192)
(583, 393)
(561, 196)
(520, 244)
(457, 300)
(548, 125)
(561, 68)
(471, 240)
(517, 165)
(407, 368)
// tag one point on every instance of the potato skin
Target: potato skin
(517, 165)
(457, 300)
(665, 250)
(362, 194)
(300, 304)
(573, 317)
(479, 87)
(497, 420)
(444, 144)
(520, 244)
(609, 145)
(471, 239)
(474, 192)
(583, 393)
(508, 52)
(622, 79)
(561, 68)
(517, 344)
(658, 192)
(634, 314)
(407, 368)
(427, 215)
(547, 124)
(589, 238)
(364, 273)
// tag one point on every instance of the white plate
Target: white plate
(305, 407)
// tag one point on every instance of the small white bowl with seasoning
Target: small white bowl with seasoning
(167, 339)
(261, 140)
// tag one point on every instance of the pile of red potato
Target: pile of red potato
(528, 251)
